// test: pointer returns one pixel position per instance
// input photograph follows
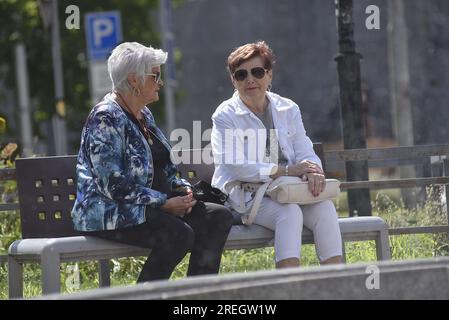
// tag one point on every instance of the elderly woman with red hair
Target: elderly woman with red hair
(271, 142)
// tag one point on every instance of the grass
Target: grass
(125, 270)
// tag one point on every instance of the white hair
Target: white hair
(132, 57)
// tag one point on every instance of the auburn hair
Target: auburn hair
(248, 51)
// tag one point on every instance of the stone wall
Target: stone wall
(386, 280)
(303, 37)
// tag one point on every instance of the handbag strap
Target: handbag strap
(240, 206)
(248, 220)
(237, 206)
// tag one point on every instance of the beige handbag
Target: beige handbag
(284, 189)
(293, 190)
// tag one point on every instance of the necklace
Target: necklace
(141, 123)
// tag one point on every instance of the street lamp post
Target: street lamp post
(49, 13)
(353, 126)
(169, 67)
(58, 120)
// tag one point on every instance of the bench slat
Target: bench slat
(9, 206)
(418, 230)
(388, 153)
(339, 165)
(394, 183)
(8, 174)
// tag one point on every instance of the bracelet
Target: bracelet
(286, 170)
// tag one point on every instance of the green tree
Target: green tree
(20, 20)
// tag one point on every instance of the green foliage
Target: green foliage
(397, 215)
(20, 21)
(247, 260)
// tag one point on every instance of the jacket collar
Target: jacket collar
(240, 107)
(276, 102)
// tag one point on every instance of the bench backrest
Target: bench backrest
(47, 191)
(196, 172)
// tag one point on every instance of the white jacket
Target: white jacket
(247, 165)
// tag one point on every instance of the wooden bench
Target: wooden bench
(47, 189)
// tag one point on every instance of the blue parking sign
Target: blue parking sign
(103, 33)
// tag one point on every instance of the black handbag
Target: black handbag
(203, 191)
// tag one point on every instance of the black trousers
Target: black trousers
(203, 232)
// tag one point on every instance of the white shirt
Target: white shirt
(239, 140)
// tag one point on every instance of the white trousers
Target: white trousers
(287, 220)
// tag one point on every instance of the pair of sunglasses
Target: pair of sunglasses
(257, 72)
(157, 76)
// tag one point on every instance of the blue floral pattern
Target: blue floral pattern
(115, 170)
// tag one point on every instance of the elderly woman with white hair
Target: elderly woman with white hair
(127, 188)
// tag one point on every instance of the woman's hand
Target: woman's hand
(184, 189)
(317, 182)
(179, 206)
(304, 167)
(298, 170)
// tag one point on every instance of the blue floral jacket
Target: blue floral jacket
(115, 171)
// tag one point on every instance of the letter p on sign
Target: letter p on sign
(102, 28)
(103, 33)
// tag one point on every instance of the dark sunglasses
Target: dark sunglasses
(257, 72)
